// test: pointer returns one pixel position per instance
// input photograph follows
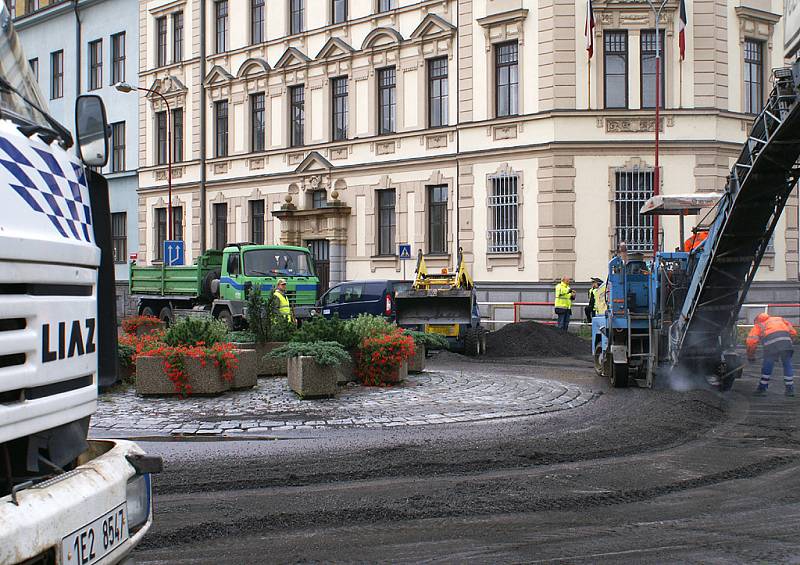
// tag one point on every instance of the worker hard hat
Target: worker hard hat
(761, 318)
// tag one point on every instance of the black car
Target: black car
(351, 298)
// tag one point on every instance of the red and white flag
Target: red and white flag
(588, 30)
(682, 29)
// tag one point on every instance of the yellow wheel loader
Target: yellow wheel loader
(443, 303)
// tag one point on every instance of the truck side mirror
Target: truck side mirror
(91, 128)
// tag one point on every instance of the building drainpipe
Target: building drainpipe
(458, 134)
(77, 48)
(203, 206)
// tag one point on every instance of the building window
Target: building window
(753, 75)
(161, 228)
(221, 128)
(256, 21)
(338, 11)
(297, 113)
(257, 123)
(319, 199)
(296, 16)
(220, 226)
(117, 147)
(386, 5)
(34, 64)
(119, 236)
(339, 105)
(177, 135)
(615, 64)
(387, 223)
(633, 188)
(503, 211)
(257, 222)
(56, 74)
(387, 100)
(161, 138)
(118, 58)
(177, 37)
(221, 11)
(437, 92)
(161, 41)
(507, 79)
(437, 219)
(95, 64)
(648, 68)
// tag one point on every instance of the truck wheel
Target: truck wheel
(472, 343)
(166, 315)
(226, 316)
(619, 375)
(598, 361)
(148, 311)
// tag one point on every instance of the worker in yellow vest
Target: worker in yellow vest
(284, 308)
(600, 304)
(563, 303)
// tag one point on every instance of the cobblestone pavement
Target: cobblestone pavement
(429, 398)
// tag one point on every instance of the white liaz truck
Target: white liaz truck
(64, 499)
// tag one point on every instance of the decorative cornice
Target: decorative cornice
(510, 17)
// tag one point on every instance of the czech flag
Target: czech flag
(681, 29)
(588, 30)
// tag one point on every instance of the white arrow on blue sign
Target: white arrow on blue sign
(405, 251)
(173, 253)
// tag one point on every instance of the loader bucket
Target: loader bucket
(437, 307)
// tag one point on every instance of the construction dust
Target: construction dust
(531, 339)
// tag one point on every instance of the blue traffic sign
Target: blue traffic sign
(173, 253)
(405, 251)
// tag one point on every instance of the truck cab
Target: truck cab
(61, 494)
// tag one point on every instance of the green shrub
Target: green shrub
(429, 341)
(194, 330)
(324, 329)
(243, 336)
(326, 353)
(125, 353)
(264, 319)
(366, 326)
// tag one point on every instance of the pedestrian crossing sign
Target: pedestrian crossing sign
(405, 251)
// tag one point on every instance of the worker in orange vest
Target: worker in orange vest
(698, 237)
(775, 334)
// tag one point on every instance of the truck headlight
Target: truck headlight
(138, 496)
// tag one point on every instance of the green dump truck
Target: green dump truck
(219, 280)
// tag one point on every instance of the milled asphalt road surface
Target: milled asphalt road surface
(631, 475)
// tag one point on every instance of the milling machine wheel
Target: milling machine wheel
(619, 375)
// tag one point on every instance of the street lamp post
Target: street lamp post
(126, 87)
(657, 177)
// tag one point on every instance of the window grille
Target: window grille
(503, 211)
(633, 188)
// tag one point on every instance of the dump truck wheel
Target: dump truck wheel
(226, 316)
(619, 375)
(148, 311)
(472, 343)
(166, 315)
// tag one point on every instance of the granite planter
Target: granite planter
(345, 372)
(267, 366)
(309, 379)
(399, 375)
(417, 363)
(246, 376)
(152, 380)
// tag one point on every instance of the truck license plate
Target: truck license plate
(97, 539)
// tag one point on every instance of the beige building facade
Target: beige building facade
(354, 126)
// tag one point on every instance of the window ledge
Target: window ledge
(504, 260)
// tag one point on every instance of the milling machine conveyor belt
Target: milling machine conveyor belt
(757, 190)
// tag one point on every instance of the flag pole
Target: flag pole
(680, 83)
(590, 83)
